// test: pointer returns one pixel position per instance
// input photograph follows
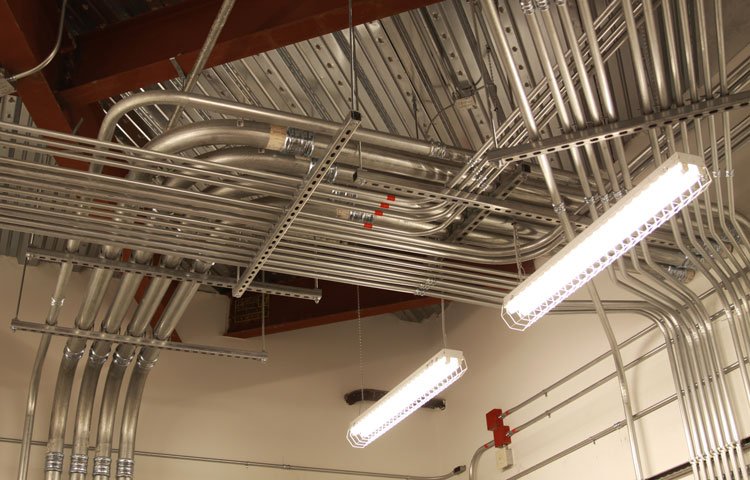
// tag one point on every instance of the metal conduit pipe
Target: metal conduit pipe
(598, 64)
(120, 362)
(124, 353)
(689, 366)
(744, 311)
(577, 161)
(458, 470)
(371, 137)
(501, 47)
(645, 309)
(599, 21)
(689, 231)
(147, 358)
(98, 355)
(56, 303)
(606, 94)
(73, 351)
(292, 168)
(276, 138)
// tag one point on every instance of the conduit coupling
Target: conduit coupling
(102, 466)
(125, 467)
(144, 364)
(425, 287)
(55, 302)
(344, 194)
(591, 200)
(299, 142)
(527, 6)
(361, 217)
(70, 355)
(438, 150)
(542, 4)
(54, 462)
(681, 274)
(330, 177)
(97, 359)
(79, 464)
(122, 361)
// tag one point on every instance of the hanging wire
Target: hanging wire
(442, 318)
(263, 314)
(361, 352)
(352, 59)
(23, 277)
(516, 248)
(489, 97)
(52, 54)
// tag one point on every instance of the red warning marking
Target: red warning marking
(391, 198)
(368, 225)
(379, 213)
(385, 205)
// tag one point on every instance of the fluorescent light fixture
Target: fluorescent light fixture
(660, 195)
(437, 374)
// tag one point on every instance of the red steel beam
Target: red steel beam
(135, 53)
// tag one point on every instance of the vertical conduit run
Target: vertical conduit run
(147, 358)
(57, 301)
(500, 44)
(73, 351)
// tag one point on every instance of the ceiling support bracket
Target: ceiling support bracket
(17, 324)
(303, 194)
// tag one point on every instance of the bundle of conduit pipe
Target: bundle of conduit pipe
(711, 236)
(440, 247)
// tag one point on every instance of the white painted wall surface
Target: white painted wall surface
(292, 411)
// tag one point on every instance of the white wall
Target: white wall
(292, 410)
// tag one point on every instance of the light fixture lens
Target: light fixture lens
(426, 382)
(657, 198)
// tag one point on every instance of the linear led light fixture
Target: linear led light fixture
(437, 374)
(657, 198)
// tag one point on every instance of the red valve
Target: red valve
(497, 427)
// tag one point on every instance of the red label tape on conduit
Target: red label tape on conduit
(384, 205)
(379, 213)
(368, 225)
(391, 198)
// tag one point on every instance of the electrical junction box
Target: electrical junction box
(504, 457)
